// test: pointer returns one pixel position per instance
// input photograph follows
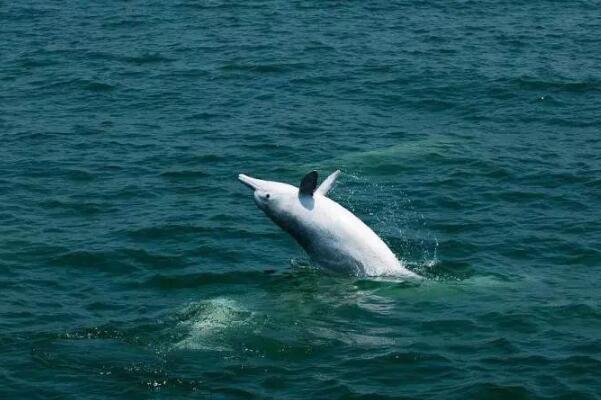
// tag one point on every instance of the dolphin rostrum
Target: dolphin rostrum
(331, 235)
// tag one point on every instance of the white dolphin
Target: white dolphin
(331, 235)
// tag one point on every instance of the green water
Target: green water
(134, 265)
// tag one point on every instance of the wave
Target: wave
(268, 68)
(197, 280)
(564, 85)
(120, 261)
(184, 174)
(147, 58)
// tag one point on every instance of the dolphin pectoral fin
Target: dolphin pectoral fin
(308, 184)
(328, 183)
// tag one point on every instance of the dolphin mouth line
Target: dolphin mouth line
(248, 181)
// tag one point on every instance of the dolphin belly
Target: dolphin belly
(340, 241)
(357, 258)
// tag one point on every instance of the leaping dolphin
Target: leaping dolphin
(330, 234)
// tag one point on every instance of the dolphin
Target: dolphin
(331, 235)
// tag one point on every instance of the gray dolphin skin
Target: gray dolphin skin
(331, 235)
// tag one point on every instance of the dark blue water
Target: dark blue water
(134, 265)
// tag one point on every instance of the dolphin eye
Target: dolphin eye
(267, 196)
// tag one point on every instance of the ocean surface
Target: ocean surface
(134, 265)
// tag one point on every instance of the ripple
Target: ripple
(147, 58)
(81, 207)
(271, 68)
(184, 174)
(496, 391)
(202, 279)
(530, 83)
(98, 87)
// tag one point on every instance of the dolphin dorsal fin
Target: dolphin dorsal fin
(328, 183)
(308, 184)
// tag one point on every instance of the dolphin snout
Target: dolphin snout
(248, 181)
